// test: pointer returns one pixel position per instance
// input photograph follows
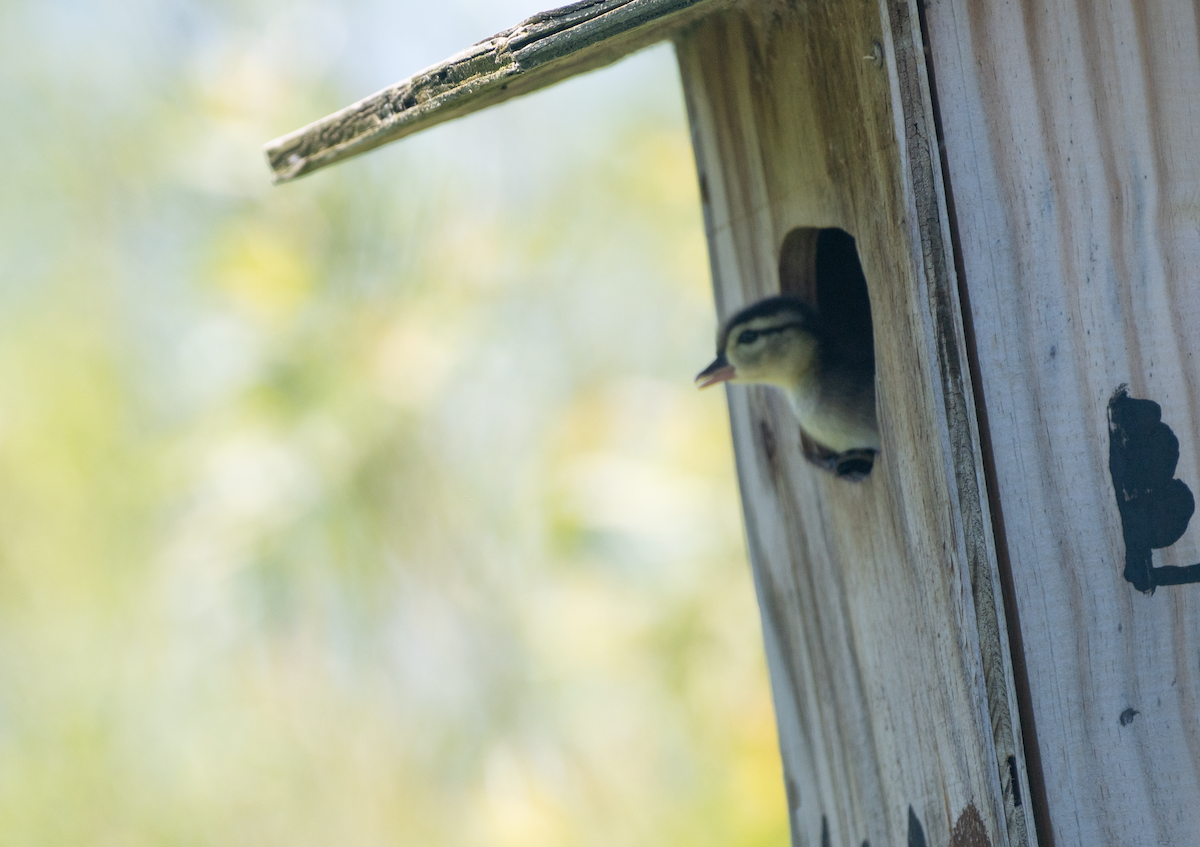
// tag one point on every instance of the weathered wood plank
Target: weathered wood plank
(539, 51)
(1070, 138)
(886, 643)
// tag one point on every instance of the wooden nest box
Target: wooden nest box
(994, 639)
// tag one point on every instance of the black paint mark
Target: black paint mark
(825, 842)
(1128, 715)
(916, 835)
(1155, 508)
(1014, 781)
(793, 794)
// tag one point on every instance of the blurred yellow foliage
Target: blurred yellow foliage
(378, 508)
(263, 275)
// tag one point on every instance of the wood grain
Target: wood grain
(539, 51)
(1070, 141)
(886, 643)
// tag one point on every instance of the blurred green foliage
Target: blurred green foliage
(373, 509)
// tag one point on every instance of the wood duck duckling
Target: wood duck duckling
(828, 378)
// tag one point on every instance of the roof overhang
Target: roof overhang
(540, 51)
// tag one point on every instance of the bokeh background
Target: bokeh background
(374, 509)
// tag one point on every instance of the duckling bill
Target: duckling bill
(829, 379)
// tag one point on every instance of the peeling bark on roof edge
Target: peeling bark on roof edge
(540, 51)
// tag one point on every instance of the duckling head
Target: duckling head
(774, 341)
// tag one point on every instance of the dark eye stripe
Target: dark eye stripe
(755, 333)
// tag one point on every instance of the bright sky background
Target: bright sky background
(378, 508)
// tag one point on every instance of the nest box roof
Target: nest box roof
(540, 51)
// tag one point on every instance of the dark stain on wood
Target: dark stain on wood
(969, 830)
(1155, 508)
(916, 834)
(1128, 715)
(1014, 781)
(770, 445)
(793, 794)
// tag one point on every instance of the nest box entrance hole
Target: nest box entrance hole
(821, 266)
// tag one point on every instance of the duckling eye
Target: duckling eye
(748, 336)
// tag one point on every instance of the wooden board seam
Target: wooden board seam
(918, 140)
